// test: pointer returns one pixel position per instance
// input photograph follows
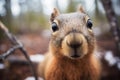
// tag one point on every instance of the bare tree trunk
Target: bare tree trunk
(96, 8)
(57, 5)
(111, 16)
(8, 14)
(7, 18)
(71, 6)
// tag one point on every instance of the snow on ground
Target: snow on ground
(111, 59)
(37, 58)
(32, 78)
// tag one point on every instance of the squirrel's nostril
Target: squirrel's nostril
(74, 45)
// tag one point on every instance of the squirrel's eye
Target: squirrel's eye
(54, 27)
(89, 24)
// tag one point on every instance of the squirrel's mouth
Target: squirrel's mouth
(75, 56)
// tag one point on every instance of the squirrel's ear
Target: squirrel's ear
(54, 14)
(81, 9)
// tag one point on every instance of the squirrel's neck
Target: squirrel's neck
(73, 69)
(70, 69)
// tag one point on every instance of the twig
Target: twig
(19, 46)
(9, 52)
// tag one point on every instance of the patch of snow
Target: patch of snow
(118, 65)
(37, 58)
(110, 58)
(32, 78)
(2, 66)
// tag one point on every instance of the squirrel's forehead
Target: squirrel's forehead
(71, 16)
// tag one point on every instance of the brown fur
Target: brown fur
(58, 64)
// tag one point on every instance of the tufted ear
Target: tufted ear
(81, 9)
(54, 14)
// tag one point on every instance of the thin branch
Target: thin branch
(9, 52)
(19, 46)
(12, 38)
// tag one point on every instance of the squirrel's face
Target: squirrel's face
(72, 34)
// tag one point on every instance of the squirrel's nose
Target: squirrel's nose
(74, 40)
(74, 45)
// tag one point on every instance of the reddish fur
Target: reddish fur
(63, 68)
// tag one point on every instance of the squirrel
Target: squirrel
(71, 48)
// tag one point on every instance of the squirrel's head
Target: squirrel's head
(72, 35)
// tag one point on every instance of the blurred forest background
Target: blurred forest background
(29, 21)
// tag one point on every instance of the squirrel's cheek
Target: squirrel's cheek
(65, 48)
